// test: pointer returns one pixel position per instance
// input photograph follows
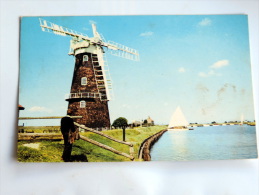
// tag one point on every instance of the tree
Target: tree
(121, 122)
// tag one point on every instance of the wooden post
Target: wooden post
(123, 132)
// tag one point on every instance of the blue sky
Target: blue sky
(200, 63)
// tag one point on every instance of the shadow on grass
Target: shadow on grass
(79, 158)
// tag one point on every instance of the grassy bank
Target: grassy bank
(39, 129)
(51, 151)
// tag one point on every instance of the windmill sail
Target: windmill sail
(178, 119)
(89, 98)
(82, 43)
(47, 26)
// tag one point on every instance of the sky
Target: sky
(198, 62)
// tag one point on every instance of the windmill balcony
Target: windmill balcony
(82, 95)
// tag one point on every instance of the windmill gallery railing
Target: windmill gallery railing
(83, 95)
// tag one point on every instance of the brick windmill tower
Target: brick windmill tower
(91, 84)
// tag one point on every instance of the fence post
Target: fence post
(124, 134)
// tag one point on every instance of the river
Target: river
(206, 143)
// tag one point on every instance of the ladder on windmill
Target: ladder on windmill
(102, 77)
(105, 71)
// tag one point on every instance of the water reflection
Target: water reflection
(178, 142)
(221, 142)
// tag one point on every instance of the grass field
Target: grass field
(39, 129)
(51, 151)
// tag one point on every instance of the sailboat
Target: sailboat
(178, 121)
(242, 120)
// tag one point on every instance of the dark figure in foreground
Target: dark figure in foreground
(68, 131)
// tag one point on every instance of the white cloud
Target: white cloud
(181, 70)
(149, 33)
(203, 74)
(205, 22)
(220, 64)
(39, 109)
(216, 65)
(210, 73)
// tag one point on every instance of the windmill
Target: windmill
(91, 83)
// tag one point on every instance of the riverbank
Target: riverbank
(222, 124)
(144, 151)
(51, 151)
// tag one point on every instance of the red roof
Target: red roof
(21, 107)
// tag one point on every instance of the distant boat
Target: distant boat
(178, 121)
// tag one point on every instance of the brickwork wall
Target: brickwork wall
(96, 112)
(83, 69)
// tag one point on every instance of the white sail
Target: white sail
(242, 119)
(178, 119)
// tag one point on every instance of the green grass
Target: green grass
(250, 123)
(39, 129)
(51, 151)
(48, 152)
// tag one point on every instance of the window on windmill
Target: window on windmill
(82, 104)
(83, 81)
(85, 58)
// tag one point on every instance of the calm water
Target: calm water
(206, 143)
